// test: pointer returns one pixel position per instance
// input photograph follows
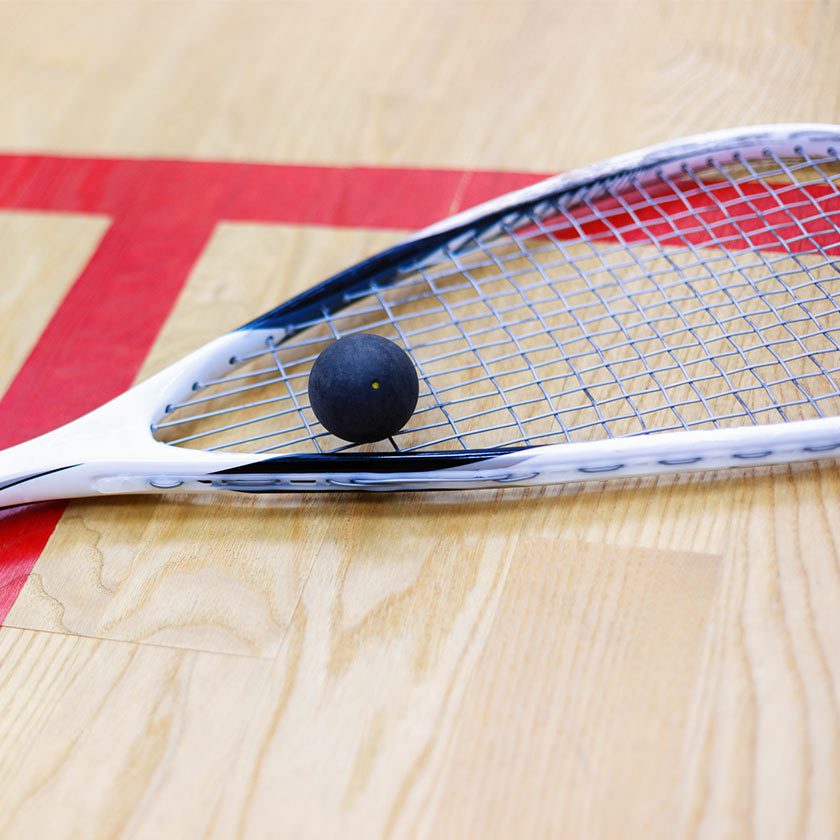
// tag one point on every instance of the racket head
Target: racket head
(686, 287)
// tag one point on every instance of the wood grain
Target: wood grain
(651, 658)
(582, 693)
(529, 85)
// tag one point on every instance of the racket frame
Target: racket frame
(112, 449)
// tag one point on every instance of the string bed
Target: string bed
(697, 300)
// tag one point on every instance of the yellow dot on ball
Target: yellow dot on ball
(375, 385)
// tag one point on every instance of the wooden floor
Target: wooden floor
(644, 659)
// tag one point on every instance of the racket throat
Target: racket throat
(40, 469)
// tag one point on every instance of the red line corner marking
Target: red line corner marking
(162, 214)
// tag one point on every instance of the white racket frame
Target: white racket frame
(112, 450)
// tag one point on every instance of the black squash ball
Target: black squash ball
(363, 388)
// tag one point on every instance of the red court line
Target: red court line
(170, 192)
(768, 217)
(162, 213)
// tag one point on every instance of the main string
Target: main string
(704, 298)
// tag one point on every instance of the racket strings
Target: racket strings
(741, 313)
(288, 411)
(241, 376)
(660, 302)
